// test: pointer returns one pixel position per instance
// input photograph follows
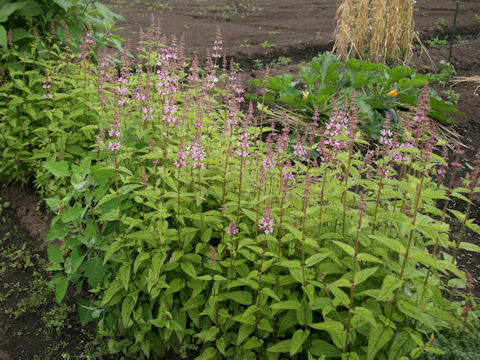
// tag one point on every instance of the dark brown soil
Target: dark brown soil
(251, 29)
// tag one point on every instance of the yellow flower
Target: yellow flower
(393, 93)
(305, 94)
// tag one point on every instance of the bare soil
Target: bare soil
(251, 29)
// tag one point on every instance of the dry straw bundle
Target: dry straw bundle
(375, 30)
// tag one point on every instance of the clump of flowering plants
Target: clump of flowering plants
(181, 217)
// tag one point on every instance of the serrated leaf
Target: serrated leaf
(55, 255)
(390, 283)
(57, 168)
(95, 271)
(315, 259)
(377, 339)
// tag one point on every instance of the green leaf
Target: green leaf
(3, 37)
(189, 269)
(345, 247)
(298, 339)
(19, 34)
(57, 168)
(208, 334)
(243, 332)
(377, 339)
(194, 303)
(55, 255)
(315, 259)
(95, 271)
(252, 343)
(208, 354)
(112, 289)
(61, 285)
(58, 230)
(9, 8)
(390, 283)
(362, 275)
(242, 297)
(321, 347)
(64, 4)
(128, 304)
(124, 276)
(287, 305)
(328, 325)
(281, 347)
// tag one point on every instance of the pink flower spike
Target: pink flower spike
(114, 146)
(232, 229)
(266, 223)
(212, 256)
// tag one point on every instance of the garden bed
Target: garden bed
(260, 30)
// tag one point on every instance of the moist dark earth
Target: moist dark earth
(255, 33)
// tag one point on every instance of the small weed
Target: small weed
(452, 96)
(257, 64)
(441, 22)
(267, 45)
(245, 44)
(3, 206)
(281, 61)
(318, 35)
(436, 42)
(297, 42)
(56, 319)
(274, 33)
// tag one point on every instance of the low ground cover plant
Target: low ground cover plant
(189, 231)
(377, 89)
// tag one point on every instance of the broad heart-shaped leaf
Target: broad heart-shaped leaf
(390, 283)
(94, 271)
(55, 255)
(298, 339)
(377, 338)
(57, 168)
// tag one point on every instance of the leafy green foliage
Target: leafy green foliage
(326, 78)
(190, 221)
(456, 347)
(48, 20)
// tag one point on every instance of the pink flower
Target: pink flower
(266, 222)
(114, 146)
(232, 229)
(212, 256)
